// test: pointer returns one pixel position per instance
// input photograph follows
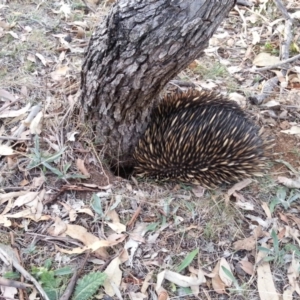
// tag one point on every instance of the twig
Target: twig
(7, 255)
(244, 3)
(276, 65)
(13, 283)
(10, 138)
(282, 9)
(287, 38)
(266, 91)
(8, 104)
(243, 19)
(70, 288)
(257, 14)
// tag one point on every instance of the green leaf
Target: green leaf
(269, 258)
(48, 263)
(263, 249)
(88, 285)
(189, 206)
(230, 276)
(186, 262)
(52, 169)
(97, 205)
(281, 194)
(184, 291)
(63, 271)
(152, 226)
(66, 167)
(11, 275)
(275, 241)
(52, 293)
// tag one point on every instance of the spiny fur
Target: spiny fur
(200, 138)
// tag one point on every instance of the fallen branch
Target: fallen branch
(289, 60)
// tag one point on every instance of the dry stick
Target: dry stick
(12, 242)
(276, 65)
(8, 104)
(10, 138)
(243, 20)
(287, 38)
(244, 3)
(9, 259)
(70, 288)
(13, 283)
(266, 91)
(282, 9)
(284, 56)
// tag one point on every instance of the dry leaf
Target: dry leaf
(114, 277)
(223, 263)
(217, 283)
(255, 37)
(15, 113)
(117, 227)
(198, 191)
(291, 183)
(81, 167)
(137, 296)
(265, 283)
(42, 59)
(295, 219)
(6, 95)
(70, 210)
(266, 210)
(239, 186)
(265, 59)
(247, 267)
(288, 294)
(13, 34)
(112, 214)
(60, 73)
(146, 282)
(181, 280)
(71, 136)
(36, 124)
(6, 150)
(4, 221)
(245, 244)
(284, 218)
(293, 130)
(87, 211)
(293, 274)
(58, 228)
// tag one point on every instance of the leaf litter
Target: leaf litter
(180, 240)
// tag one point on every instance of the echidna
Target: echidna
(200, 138)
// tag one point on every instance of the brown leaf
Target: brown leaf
(247, 267)
(239, 186)
(245, 244)
(284, 218)
(295, 219)
(266, 209)
(281, 233)
(81, 167)
(217, 283)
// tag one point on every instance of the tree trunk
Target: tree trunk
(133, 54)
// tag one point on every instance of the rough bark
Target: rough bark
(131, 56)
